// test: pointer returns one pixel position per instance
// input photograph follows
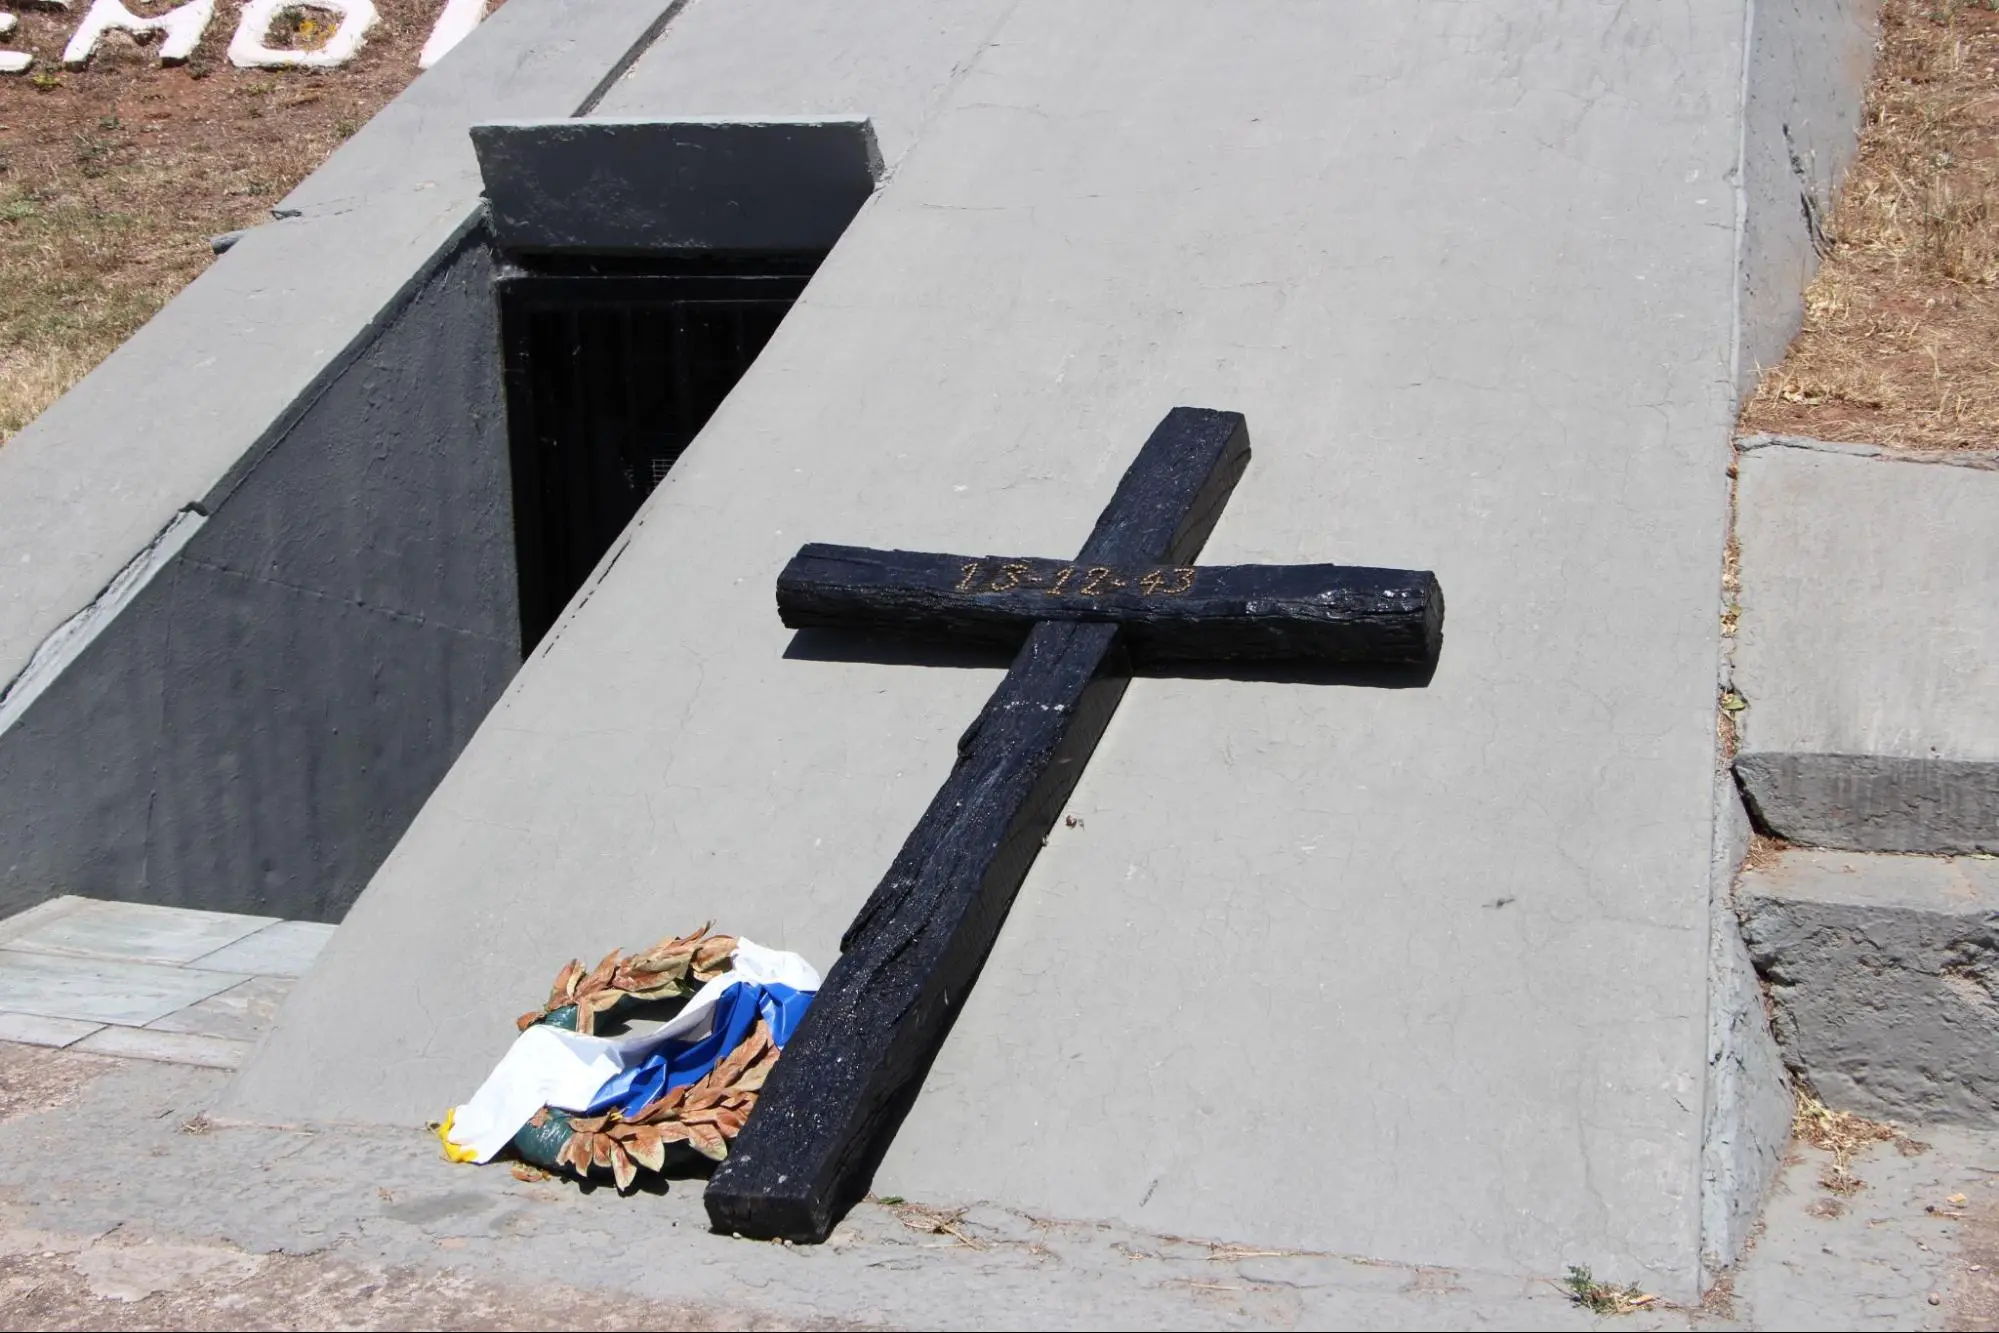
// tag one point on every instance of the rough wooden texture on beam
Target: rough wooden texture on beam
(1170, 613)
(912, 954)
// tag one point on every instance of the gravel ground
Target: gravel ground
(123, 1207)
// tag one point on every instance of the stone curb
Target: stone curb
(1884, 976)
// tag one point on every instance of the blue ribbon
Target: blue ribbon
(678, 1064)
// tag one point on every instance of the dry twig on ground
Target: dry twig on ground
(1843, 1135)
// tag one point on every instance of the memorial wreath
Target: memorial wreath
(570, 1101)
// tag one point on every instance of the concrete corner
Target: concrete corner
(1747, 1124)
(1869, 652)
(1884, 973)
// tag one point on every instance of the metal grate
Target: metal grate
(610, 376)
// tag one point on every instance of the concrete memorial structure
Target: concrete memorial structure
(1443, 975)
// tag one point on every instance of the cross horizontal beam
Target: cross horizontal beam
(1170, 613)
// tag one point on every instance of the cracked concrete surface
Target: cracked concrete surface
(1469, 271)
(1473, 273)
(122, 1206)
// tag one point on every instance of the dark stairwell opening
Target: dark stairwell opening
(613, 366)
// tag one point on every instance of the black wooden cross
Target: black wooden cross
(910, 957)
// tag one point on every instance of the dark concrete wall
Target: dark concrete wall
(255, 731)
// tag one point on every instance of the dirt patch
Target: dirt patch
(33, 1078)
(51, 1282)
(1974, 1296)
(113, 177)
(1901, 324)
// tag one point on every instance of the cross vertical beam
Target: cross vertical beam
(910, 957)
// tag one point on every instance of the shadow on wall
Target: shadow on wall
(256, 729)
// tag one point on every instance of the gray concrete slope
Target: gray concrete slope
(1869, 648)
(172, 416)
(1885, 974)
(253, 727)
(1408, 973)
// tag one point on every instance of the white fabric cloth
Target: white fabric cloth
(549, 1067)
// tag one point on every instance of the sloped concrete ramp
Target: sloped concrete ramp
(1419, 973)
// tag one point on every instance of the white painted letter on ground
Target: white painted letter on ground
(12, 62)
(182, 28)
(453, 26)
(250, 48)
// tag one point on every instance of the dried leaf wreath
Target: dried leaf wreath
(674, 967)
(703, 1115)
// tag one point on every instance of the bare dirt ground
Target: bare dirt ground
(117, 1281)
(113, 177)
(1900, 344)
(170, 1221)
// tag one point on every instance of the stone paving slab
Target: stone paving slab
(1868, 649)
(241, 1013)
(147, 982)
(139, 932)
(99, 990)
(180, 1048)
(41, 1030)
(283, 949)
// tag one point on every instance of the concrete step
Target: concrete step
(1868, 652)
(1883, 976)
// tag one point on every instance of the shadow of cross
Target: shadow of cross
(910, 957)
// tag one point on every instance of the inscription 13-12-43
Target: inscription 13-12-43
(1054, 578)
(1206, 613)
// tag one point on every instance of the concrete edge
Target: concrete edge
(1806, 65)
(1984, 460)
(68, 640)
(1805, 69)
(336, 365)
(751, 183)
(1874, 803)
(1746, 1116)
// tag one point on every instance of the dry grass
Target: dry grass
(1902, 325)
(1764, 852)
(1605, 1298)
(1844, 1136)
(112, 178)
